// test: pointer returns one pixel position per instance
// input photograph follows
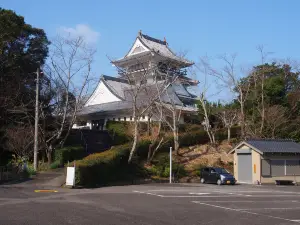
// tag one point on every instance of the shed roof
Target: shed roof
(271, 145)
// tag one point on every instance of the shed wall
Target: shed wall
(272, 178)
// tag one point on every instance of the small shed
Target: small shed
(266, 160)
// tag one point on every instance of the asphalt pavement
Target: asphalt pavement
(154, 204)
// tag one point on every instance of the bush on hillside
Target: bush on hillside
(107, 167)
(119, 132)
(198, 137)
(161, 168)
(55, 165)
(69, 154)
(190, 127)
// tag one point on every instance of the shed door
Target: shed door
(244, 167)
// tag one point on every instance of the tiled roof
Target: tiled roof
(116, 85)
(161, 48)
(156, 46)
(122, 89)
(275, 145)
(105, 107)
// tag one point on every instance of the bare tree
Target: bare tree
(157, 136)
(141, 94)
(206, 123)
(20, 141)
(70, 71)
(205, 107)
(169, 106)
(231, 78)
(229, 119)
(262, 77)
(276, 117)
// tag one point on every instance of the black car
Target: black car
(216, 175)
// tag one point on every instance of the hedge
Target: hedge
(119, 132)
(69, 154)
(107, 167)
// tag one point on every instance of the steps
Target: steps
(92, 140)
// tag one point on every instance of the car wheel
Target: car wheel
(219, 182)
(202, 180)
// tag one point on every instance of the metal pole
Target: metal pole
(36, 122)
(170, 165)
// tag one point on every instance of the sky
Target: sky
(211, 27)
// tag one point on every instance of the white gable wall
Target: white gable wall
(101, 95)
(138, 44)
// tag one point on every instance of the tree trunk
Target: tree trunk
(242, 120)
(149, 127)
(135, 140)
(262, 106)
(213, 138)
(150, 152)
(49, 154)
(156, 149)
(175, 133)
(228, 134)
(176, 141)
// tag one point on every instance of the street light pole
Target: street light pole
(36, 122)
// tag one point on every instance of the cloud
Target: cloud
(91, 36)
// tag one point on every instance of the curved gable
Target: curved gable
(101, 95)
(137, 47)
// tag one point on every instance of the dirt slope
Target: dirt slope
(205, 155)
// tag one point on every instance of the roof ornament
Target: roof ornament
(165, 40)
(140, 32)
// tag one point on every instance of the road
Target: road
(154, 204)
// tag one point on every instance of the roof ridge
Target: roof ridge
(153, 39)
(117, 79)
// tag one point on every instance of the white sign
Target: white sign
(70, 180)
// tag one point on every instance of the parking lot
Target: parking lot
(152, 204)
(271, 204)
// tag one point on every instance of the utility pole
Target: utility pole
(36, 122)
(170, 165)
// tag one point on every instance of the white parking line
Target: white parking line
(147, 193)
(249, 201)
(271, 208)
(207, 195)
(199, 193)
(243, 211)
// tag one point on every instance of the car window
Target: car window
(221, 170)
(206, 170)
(212, 170)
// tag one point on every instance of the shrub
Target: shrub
(189, 127)
(143, 148)
(119, 132)
(161, 167)
(106, 167)
(55, 165)
(29, 171)
(69, 154)
(43, 166)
